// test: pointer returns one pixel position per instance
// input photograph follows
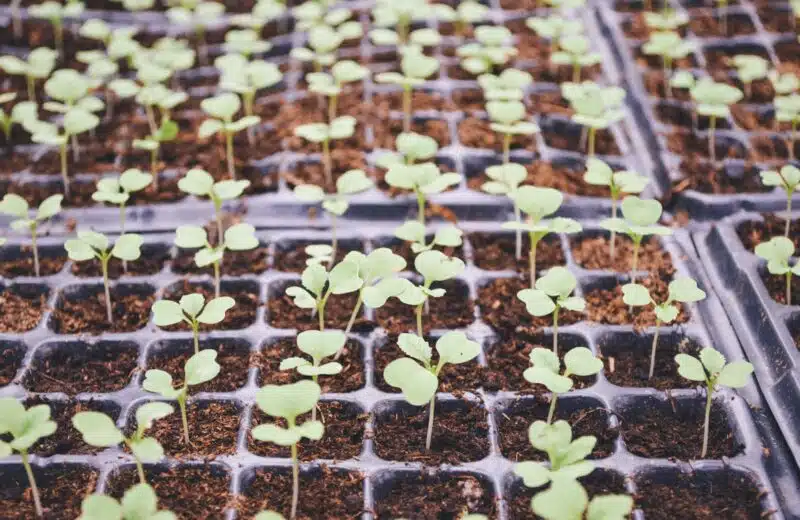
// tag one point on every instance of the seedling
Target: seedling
(289, 402)
(492, 49)
(193, 310)
(319, 344)
(313, 13)
(567, 457)
(683, 290)
(400, 15)
(640, 220)
(670, 46)
(414, 232)
(416, 69)
(55, 12)
(423, 180)
(418, 377)
(713, 100)
(222, 109)
(99, 430)
(508, 119)
(411, 148)
(574, 51)
(784, 83)
(263, 12)
(136, 5)
(330, 85)
(118, 190)
(323, 44)
(198, 369)
(552, 293)
(750, 68)
(509, 85)
(197, 15)
(787, 110)
(777, 253)
(787, 178)
(38, 65)
(342, 127)
(506, 180)
(239, 237)
(200, 183)
(246, 78)
(168, 131)
(599, 173)
(138, 503)
(554, 27)
(539, 203)
(567, 500)
(21, 112)
(91, 244)
(667, 20)
(245, 42)
(317, 285)
(26, 427)
(350, 183)
(596, 107)
(269, 515)
(17, 207)
(466, 14)
(712, 368)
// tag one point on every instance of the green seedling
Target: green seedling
(784, 83)
(787, 178)
(568, 500)
(671, 47)
(21, 112)
(246, 78)
(667, 20)
(55, 13)
(173, 54)
(17, 207)
(317, 285)
(263, 12)
(712, 368)
(69, 89)
(596, 107)
(464, 15)
(323, 47)
(400, 16)
(574, 51)
(554, 27)
(350, 183)
(777, 252)
(198, 369)
(749, 69)
(411, 148)
(245, 42)
(118, 190)
(714, 100)
(509, 85)
(599, 173)
(492, 49)
(787, 110)
(314, 13)
(26, 427)
(416, 69)
(239, 237)
(269, 515)
(90, 245)
(508, 119)
(318, 344)
(138, 503)
(640, 220)
(506, 180)
(418, 377)
(148, 90)
(683, 290)
(200, 183)
(331, 85)
(538, 203)
(222, 109)
(39, 64)
(136, 5)
(99, 430)
(197, 15)
(567, 457)
(168, 131)
(546, 370)
(423, 180)
(289, 402)
(414, 43)
(414, 232)
(343, 127)
(194, 311)
(319, 254)
(553, 293)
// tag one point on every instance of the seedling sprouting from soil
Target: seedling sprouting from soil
(245, 42)
(138, 503)
(787, 110)
(99, 430)
(342, 127)
(269, 515)
(554, 27)
(331, 84)
(784, 83)
(787, 178)
(197, 15)
(289, 402)
(777, 253)
(546, 370)
(411, 147)
(492, 48)
(750, 68)
(509, 85)
(667, 20)
(574, 50)
(506, 180)
(21, 112)
(201, 184)
(400, 15)
(416, 69)
(90, 245)
(55, 12)
(683, 290)
(567, 457)
(423, 179)
(552, 293)
(318, 344)
(640, 220)
(118, 190)
(539, 203)
(323, 44)
(712, 369)
(418, 377)
(194, 310)
(17, 207)
(350, 183)
(222, 109)
(414, 232)
(239, 237)
(465, 14)
(599, 173)
(596, 107)
(670, 46)
(314, 13)
(26, 427)
(198, 369)
(714, 100)
(566, 499)
(38, 65)
(508, 119)
(317, 285)
(168, 131)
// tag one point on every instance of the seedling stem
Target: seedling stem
(712, 149)
(709, 395)
(592, 131)
(30, 81)
(613, 246)
(37, 503)
(35, 250)
(532, 258)
(555, 330)
(326, 162)
(216, 279)
(184, 419)
(104, 263)
(552, 411)
(420, 207)
(506, 148)
(406, 108)
(295, 477)
(229, 154)
(64, 177)
(429, 436)
(653, 350)
(637, 241)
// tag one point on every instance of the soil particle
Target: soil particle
(86, 313)
(441, 495)
(75, 368)
(232, 357)
(420, 101)
(21, 308)
(61, 487)
(592, 252)
(454, 310)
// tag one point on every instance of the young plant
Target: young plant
(683, 290)
(574, 51)
(599, 173)
(787, 178)
(245, 42)
(193, 310)
(90, 245)
(508, 119)
(552, 293)
(539, 203)
(99, 430)
(713, 100)
(17, 207)
(239, 237)
(416, 69)
(21, 112)
(509, 85)
(554, 27)
(640, 220)
(787, 110)
(317, 286)
(506, 180)
(200, 183)
(138, 503)
(198, 369)
(289, 402)
(314, 13)
(418, 377)
(25, 427)
(492, 48)
(567, 457)
(667, 20)
(400, 16)
(331, 84)
(55, 12)
(670, 46)
(118, 190)
(222, 109)
(596, 107)
(423, 180)
(342, 127)
(466, 14)
(777, 252)
(750, 68)
(414, 232)
(566, 499)
(168, 131)
(411, 148)
(712, 368)
(323, 46)
(197, 15)
(318, 344)
(39, 64)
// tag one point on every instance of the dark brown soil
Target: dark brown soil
(232, 357)
(234, 263)
(705, 25)
(86, 313)
(67, 440)
(606, 305)
(343, 439)
(564, 139)
(385, 134)
(753, 232)
(21, 308)
(10, 361)
(384, 102)
(213, 429)
(775, 20)
(704, 177)
(598, 482)
(313, 172)
(776, 286)
(324, 494)
(293, 258)
(441, 496)
(240, 316)
(61, 487)
(565, 178)
(630, 358)
(592, 252)
(454, 310)
(151, 262)
(74, 368)
(688, 144)
(23, 265)
(284, 314)
(495, 252)
(460, 434)
(476, 133)
(769, 148)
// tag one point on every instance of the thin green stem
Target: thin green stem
(637, 241)
(592, 132)
(34, 232)
(789, 288)
(154, 168)
(201, 44)
(792, 139)
(788, 214)
(506, 148)
(354, 314)
(314, 408)
(431, 409)
(576, 72)
(420, 207)
(518, 219)
(58, 32)
(653, 350)
(64, 176)
(613, 244)
(295, 481)
(229, 154)
(712, 149)
(332, 107)
(326, 163)
(104, 265)
(321, 310)
(419, 319)
(552, 411)
(151, 119)
(31, 82)
(218, 219)
(37, 503)
(216, 279)
(555, 330)
(334, 241)
(406, 108)
(709, 395)
(667, 75)
(122, 230)
(184, 418)
(532, 259)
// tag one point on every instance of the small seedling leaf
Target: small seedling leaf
(417, 384)
(685, 290)
(97, 429)
(454, 347)
(151, 412)
(190, 237)
(690, 367)
(128, 247)
(636, 295)
(581, 362)
(147, 450)
(201, 367)
(214, 311)
(160, 382)
(436, 266)
(537, 302)
(735, 375)
(321, 344)
(288, 401)
(167, 312)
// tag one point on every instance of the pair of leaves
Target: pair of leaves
(714, 99)
(788, 178)
(222, 108)
(17, 207)
(198, 369)
(342, 279)
(319, 345)
(91, 244)
(682, 290)
(505, 179)
(342, 127)
(425, 178)
(25, 426)
(288, 402)
(640, 218)
(39, 63)
(567, 457)
(567, 500)
(552, 291)
(411, 147)
(777, 253)
(349, 183)
(118, 190)
(201, 184)
(599, 173)
(712, 367)
(546, 369)
(191, 308)
(239, 237)
(138, 503)
(414, 231)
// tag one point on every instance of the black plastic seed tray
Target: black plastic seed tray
(764, 460)
(753, 142)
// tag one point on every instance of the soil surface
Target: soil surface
(753, 232)
(23, 265)
(607, 306)
(234, 263)
(495, 252)
(776, 286)
(67, 440)
(232, 357)
(282, 313)
(151, 262)
(61, 487)
(292, 257)
(86, 313)
(454, 310)
(441, 496)
(240, 316)
(593, 252)
(213, 429)
(21, 308)
(10, 361)
(74, 368)
(630, 358)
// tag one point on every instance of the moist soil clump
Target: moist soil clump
(87, 312)
(77, 368)
(594, 253)
(213, 428)
(441, 496)
(61, 488)
(630, 360)
(233, 359)
(21, 308)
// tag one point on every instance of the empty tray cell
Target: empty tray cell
(11, 356)
(16, 261)
(22, 307)
(82, 309)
